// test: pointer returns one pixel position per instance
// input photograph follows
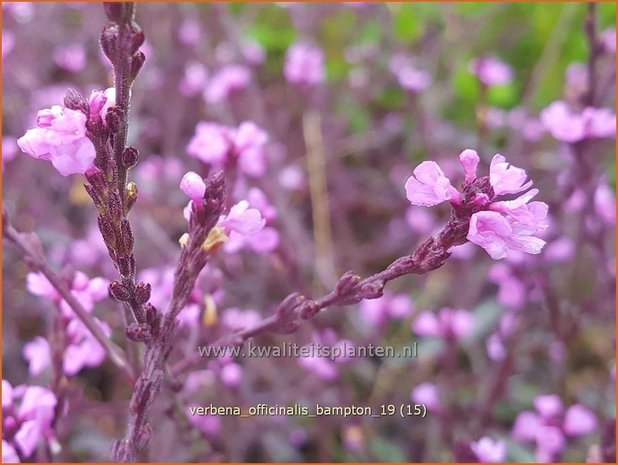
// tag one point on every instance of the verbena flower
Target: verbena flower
(488, 450)
(448, 323)
(491, 71)
(220, 145)
(226, 81)
(499, 226)
(550, 425)
(60, 137)
(27, 416)
(570, 126)
(304, 64)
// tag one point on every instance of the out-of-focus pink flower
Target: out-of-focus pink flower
(549, 425)
(497, 235)
(506, 178)
(605, 203)
(8, 41)
(320, 366)
(378, 312)
(576, 78)
(189, 31)
(211, 143)
(38, 354)
(257, 199)
(429, 395)
(253, 52)
(429, 186)
(231, 375)
(304, 64)
(568, 126)
(491, 71)
(512, 291)
(559, 251)
(83, 350)
(292, 178)
(29, 412)
(217, 145)
(448, 323)
(194, 80)
(229, 79)
(409, 76)
(9, 149)
(236, 319)
(60, 138)
(9, 454)
(193, 185)
(420, 220)
(488, 450)
(608, 38)
(87, 291)
(207, 424)
(70, 57)
(101, 101)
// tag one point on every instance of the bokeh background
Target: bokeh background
(338, 154)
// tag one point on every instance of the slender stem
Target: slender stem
(593, 51)
(38, 263)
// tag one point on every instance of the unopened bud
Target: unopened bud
(119, 291)
(130, 157)
(109, 42)
(136, 38)
(137, 62)
(73, 100)
(142, 293)
(139, 332)
(117, 12)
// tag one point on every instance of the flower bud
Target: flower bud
(373, 289)
(136, 38)
(73, 100)
(130, 157)
(139, 332)
(117, 12)
(142, 293)
(109, 42)
(137, 61)
(119, 291)
(112, 118)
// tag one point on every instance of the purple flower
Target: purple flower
(409, 76)
(9, 149)
(242, 220)
(60, 138)
(488, 450)
(38, 354)
(229, 79)
(193, 185)
(428, 186)
(304, 64)
(194, 80)
(497, 235)
(82, 349)
(506, 178)
(27, 416)
(549, 426)
(8, 41)
(491, 71)
(448, 323)
(512, 290)
(219, 145)
(100, 102)
(71, 57)
(608, 38)
(391, 306)
(568, 126)
(427, 394)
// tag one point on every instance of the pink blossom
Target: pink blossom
(608, 38)
(30, 411)
(229, 79)
(249, 140)
(491, 71)
(576, 78)
(498, 235)
(101, 102)
(320, 366)
(194, 80)
(605, 203)
(560, 250)
(549, 425)
(409, 76)
(71, 57)
(568, 126)
(292, 178)
(512, 291)
(242, 220)
(304, 64)
(9, 149)
(193, 185)
(207, 424)
(253, 52)
(8, 41)
(506, 178)
(38, 354)
(60, 138)
(236, 319)
(488, 450)
(420, 219)
(189, 31)
(428, 186)
(378, 312)
(211, 143)
(257, 199)
(83, 350)
(9, 454)
(231, 375)
(427, 394)
(448, 323)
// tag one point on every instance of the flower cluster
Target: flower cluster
(304, 65)
(222, 146)
(498, 226)
(570, 126)
(81, 349)
(550, 425)
(27, 416)
(61, 135)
